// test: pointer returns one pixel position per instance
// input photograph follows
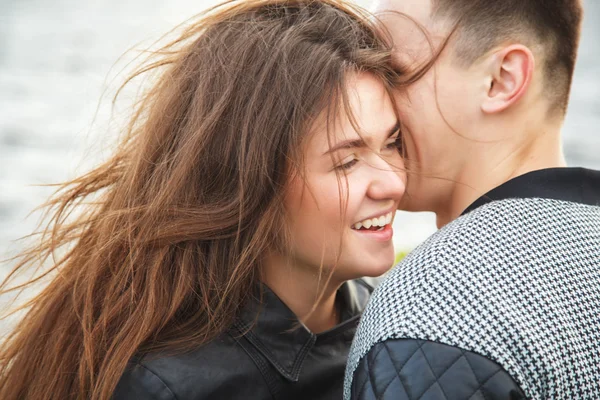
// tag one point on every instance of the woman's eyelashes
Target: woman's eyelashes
(348, 163)
(393, 143)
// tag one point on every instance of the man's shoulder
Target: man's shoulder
(421, 369)
(499, 230)
(461, 242)
(469, 272)
(499, 281)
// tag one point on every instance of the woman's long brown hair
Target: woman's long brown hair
(156, 248)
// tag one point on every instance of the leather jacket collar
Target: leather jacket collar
(277, 333)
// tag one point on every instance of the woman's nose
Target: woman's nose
(388, 180)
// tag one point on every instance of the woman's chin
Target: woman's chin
(379, 270)
(374, 269)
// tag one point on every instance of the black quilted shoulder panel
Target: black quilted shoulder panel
(406, 369)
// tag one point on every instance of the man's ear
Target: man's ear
(510, 73)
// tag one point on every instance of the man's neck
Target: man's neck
(497, 164)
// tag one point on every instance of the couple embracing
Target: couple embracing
(221, 253)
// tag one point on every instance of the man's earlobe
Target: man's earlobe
(510, 71)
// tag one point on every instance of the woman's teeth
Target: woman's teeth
(374, 223)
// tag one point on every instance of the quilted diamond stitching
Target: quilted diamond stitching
(392, 380)
(442, 374)
(372, 384)
(362, 386)
(365, 387)
(475, 375)
(371, 378)
(367, 377)
(474, 356)
(376, 381)
(486, 381)
(387, 351)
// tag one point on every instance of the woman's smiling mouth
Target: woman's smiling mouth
(374, 224)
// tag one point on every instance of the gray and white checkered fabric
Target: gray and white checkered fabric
(517, 281)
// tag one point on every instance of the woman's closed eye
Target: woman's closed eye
(347, 163)
(394, 143)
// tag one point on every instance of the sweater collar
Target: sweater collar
(578, 185)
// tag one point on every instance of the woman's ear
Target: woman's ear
(510, 74)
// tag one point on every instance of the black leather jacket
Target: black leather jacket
(271, 361)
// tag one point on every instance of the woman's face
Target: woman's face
(373, 168)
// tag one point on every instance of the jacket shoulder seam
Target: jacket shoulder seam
(159, 379)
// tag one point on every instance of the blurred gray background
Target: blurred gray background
(57, 58)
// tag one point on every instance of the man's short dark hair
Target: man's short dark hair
(554, 25)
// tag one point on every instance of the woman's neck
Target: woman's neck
(299, 287)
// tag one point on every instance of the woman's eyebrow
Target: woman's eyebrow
(358, 143)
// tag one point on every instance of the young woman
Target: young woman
(218, 253)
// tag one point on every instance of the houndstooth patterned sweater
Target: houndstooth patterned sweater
(516, 280)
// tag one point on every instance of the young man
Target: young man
(503, 302)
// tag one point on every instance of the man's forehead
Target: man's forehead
(420, 10)
(413, 30)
